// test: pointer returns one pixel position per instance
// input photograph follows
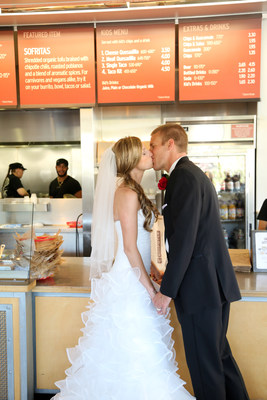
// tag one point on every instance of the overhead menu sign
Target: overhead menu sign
(8, 92)
(135, 63)
(220, 59)
(56, 66)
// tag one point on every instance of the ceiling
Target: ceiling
(32, 12)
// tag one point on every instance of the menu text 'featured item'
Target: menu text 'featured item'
(8, 90)
(220, 59)
(56, 66)
(135, 63)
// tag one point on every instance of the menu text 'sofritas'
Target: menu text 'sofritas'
(56, 66)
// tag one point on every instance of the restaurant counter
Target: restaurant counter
(16, 340)
(56, 305)
(59, 302)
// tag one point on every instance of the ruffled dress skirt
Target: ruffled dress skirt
(126, 351)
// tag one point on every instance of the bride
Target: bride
(126, 351)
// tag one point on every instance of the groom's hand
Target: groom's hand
(161, 302)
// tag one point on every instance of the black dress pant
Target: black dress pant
(214, 372)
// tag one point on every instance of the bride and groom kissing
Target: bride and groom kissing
(126, 349)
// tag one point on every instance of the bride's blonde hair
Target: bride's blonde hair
(128, 152)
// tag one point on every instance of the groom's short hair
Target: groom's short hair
(175, 132)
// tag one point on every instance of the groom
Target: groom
(199, 276)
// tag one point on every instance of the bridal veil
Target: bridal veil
(103, 235)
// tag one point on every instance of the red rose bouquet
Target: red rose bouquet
(162, 184)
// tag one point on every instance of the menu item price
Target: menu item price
(136, 63)
(8, 90)
(56, 66)
(166, 59)
(220, 60)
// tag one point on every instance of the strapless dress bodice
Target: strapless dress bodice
(143, 244)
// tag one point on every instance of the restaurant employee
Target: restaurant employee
(64, 185)
(12, 186)
(262, 217)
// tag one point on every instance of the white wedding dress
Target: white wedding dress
(125, 352)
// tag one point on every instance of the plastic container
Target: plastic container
(241, 239)
(223, 210)
(229, 184)
(240, 211)
(73, 224)
(34, 198)
(232, 210)
(225, 234)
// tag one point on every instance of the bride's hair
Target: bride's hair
(128, 152)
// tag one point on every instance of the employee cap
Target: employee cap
(16, 165)
(62, 161)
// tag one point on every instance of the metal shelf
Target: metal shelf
(25, 207)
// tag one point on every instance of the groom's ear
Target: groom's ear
(171, 144)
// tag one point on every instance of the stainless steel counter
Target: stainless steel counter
(48, 216)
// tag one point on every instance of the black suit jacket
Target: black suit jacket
(199, 271)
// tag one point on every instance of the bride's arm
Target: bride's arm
(126, 206)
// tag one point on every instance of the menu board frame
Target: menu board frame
(88, 28)
(11, 59)
(135, 25)
(209, 23)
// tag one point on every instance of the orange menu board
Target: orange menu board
(8, 91)
(220, 59)
(56, 66)
(135, 63)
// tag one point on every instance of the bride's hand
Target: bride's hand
(152, 292)
(161, 302)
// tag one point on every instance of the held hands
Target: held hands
(161, 302)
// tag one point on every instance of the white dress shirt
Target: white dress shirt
(170, 171)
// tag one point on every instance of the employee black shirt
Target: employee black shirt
(263, 212)
(68, 186)
(11, 185)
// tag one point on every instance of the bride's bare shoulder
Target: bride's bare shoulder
(125, 203)
(126, 198)
(125, 193)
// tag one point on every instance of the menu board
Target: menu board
(220, 59)
(8, 91)
(135, 63)
(56, 66)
